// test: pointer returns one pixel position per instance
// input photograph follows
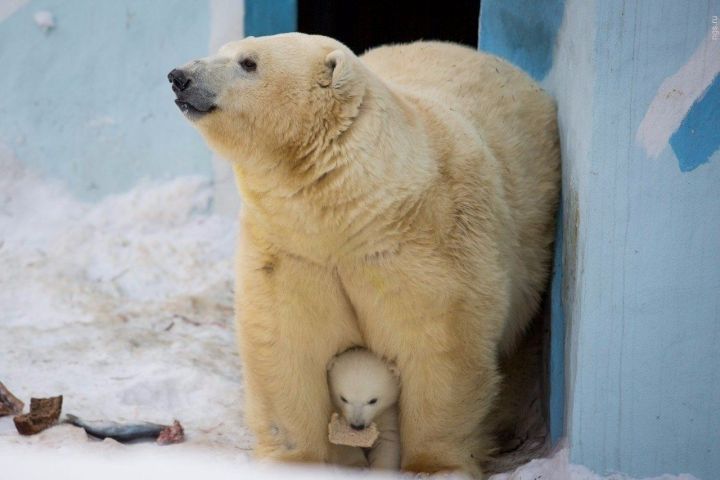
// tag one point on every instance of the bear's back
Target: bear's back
(514, 117)
(494, 95)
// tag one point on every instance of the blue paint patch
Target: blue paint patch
(557, 340)
(264, 17)
(522, 32)
(698, 136)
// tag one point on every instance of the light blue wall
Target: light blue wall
(637, 90)
(88, 102)
(647, 385)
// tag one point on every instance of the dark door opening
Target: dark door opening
(364, 24)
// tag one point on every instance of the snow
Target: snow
(45, 20)
(558, 467)
(125, 308)
(109, 465)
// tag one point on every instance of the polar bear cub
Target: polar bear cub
(365, 389)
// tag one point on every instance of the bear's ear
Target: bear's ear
(338, 70)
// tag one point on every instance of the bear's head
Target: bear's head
(286, 95)
(362, 386)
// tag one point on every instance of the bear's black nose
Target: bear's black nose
(179, 80)
(357, 426)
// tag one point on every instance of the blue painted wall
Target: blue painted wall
(522, 32)
(268, 17)
(88, 101)
(638, 104)
(647, 386)
(698, 136)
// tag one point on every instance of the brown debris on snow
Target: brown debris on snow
(44, 413)
(172, 434)
(9, 403)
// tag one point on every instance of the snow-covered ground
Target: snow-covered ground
(125, 308)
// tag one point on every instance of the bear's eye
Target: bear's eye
(248, 65)
(373, 401)
(343, 399)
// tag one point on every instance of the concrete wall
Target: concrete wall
(639, 108)
(88, 101)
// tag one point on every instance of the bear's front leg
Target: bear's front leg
(445, 398)
(385, 454)
(292, 318)
(346, 456)
(287, 399)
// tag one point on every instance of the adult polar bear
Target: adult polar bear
(403, 201)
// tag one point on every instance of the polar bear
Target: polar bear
(365, 390)
(402, 201)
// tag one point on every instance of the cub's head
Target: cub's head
(270, 94)
(362, 386)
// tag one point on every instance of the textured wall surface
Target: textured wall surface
(639, 105)
(88, 100)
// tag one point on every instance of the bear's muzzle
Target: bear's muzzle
(193, 100)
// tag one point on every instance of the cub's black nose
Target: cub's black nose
(356, 426)
(179, 80)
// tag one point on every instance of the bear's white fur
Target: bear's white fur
(402, 201)
(365, 390)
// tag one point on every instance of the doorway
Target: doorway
(369, 23)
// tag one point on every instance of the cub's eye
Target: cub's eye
(343, 399)
(248, 65)
(373, 401)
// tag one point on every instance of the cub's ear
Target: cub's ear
(331, 363)
(394, 370)
(338, 72)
